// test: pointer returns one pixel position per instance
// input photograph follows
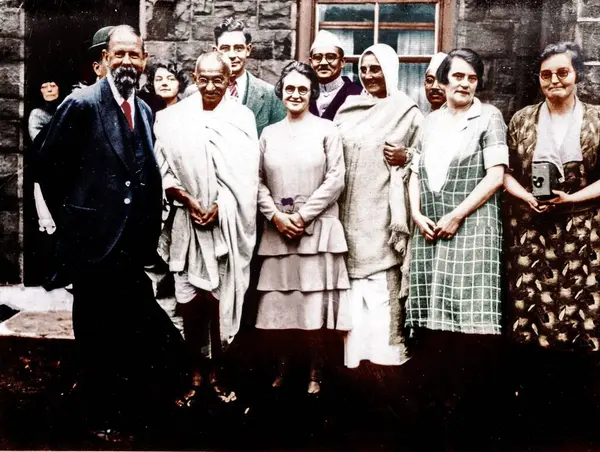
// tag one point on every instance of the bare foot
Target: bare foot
(314, 387)
(278, 382)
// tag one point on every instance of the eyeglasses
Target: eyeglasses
(562, 73)
(302, 90)
(329, 57)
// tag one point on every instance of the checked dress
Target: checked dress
(455, 284)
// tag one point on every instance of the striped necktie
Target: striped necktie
(233, 92)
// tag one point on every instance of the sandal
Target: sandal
(190, 398)
(223, 394)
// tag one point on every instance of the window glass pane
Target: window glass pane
(419, 12)
(354, 42)
(411, 77)
(409, 42)
(350, 70)
(346, 13)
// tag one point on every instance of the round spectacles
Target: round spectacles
(562, 73)
(302, 90)
(316, 58)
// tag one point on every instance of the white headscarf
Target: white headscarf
(388, 60)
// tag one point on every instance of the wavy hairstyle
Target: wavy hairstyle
(302, 69)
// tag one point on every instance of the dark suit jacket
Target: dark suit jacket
(261, 99)
(92, 181)
(348, 89)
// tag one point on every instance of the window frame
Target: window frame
(443, 28)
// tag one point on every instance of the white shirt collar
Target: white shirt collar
(119, 98)
(332, 86)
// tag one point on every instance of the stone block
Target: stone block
(170, 21)
(11, 25)
(282, 45)
(527, 36)
(161, 50)
(275, 15)
(188, 52)
(202, 7)
(589, 88)
(590, 8)
(503, 76)
(490, 38)
(9, 192)
(203, 27)
(9, 135)
(9, 164)
(590, 36)
(10, 108)
(12, 49)
(10, 80)
(270, 71)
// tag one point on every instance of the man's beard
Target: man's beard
(126, 79)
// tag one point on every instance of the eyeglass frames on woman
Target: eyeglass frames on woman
(302, 90)
(316, 58)
(562, 73)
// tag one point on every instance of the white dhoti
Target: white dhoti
(369, 338)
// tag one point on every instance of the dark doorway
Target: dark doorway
(58, 32)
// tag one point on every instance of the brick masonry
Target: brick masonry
(508, 33)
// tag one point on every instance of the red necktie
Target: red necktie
(127, 110)
(233, 88)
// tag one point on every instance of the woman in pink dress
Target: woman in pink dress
(303, 280)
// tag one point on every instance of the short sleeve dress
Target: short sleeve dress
(455, 284)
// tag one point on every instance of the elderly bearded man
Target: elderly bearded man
(327, 60)
(103, 188)
(207, 148)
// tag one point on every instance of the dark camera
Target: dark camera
(544, 179)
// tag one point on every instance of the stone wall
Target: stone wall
(510, 34)
(183, 29)
(12, 55)
(506, 33)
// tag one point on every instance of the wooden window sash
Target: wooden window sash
(382, 25)
(443, 26)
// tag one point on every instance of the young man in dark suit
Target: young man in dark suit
(103, 188)
(327, 60)
(232, 39)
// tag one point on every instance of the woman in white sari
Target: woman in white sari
(378, 128)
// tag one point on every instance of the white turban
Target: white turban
(326, 38)
(436, 60)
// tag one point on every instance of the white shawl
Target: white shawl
(214, 157)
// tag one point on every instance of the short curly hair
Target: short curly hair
(570, 48)
(232, 24)
(171, 66)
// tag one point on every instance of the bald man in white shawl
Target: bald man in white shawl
(382, 121)
(207, 149)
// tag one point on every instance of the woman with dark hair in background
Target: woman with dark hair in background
(454, 303)
(552, 241)
(166, 80)
(303, 279)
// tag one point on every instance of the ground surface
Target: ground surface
(364, 409)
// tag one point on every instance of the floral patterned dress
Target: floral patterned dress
(553, 259)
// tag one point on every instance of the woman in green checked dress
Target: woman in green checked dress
(454, 299)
